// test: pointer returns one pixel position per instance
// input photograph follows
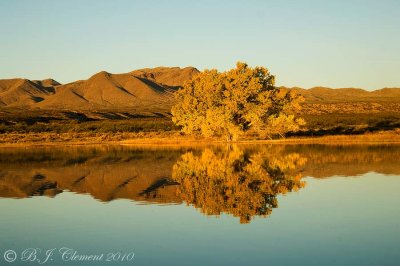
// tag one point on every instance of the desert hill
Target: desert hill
(328, 95)
(46, 82)
(19, 92)
(150, 91)
(169, 76)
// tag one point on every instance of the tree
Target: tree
(230, 104)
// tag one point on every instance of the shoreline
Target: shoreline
(176, 139)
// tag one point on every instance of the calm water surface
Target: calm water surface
(225, 205)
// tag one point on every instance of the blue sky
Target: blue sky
(304, 43)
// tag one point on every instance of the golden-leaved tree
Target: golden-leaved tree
(230, 104)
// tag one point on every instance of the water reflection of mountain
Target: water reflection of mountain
(106, 173)
(212, 179)
(326, 161)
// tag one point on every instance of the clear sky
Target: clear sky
(304, 43)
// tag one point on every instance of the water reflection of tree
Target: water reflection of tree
(243, 184)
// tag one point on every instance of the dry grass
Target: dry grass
(380, 137)
(351, 108)
(176, 138)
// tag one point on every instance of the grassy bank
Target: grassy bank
(320, 128)
(316, 124)
(153, 124)
(176, 138)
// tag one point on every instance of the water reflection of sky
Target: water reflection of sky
(337, 221)
(346, 214)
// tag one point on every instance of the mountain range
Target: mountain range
(144, 88)
(150, 89)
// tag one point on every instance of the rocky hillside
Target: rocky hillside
(150, 91)
(139, 89)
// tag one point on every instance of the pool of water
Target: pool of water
(217, 205)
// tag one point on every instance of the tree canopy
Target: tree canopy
(232, 103)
